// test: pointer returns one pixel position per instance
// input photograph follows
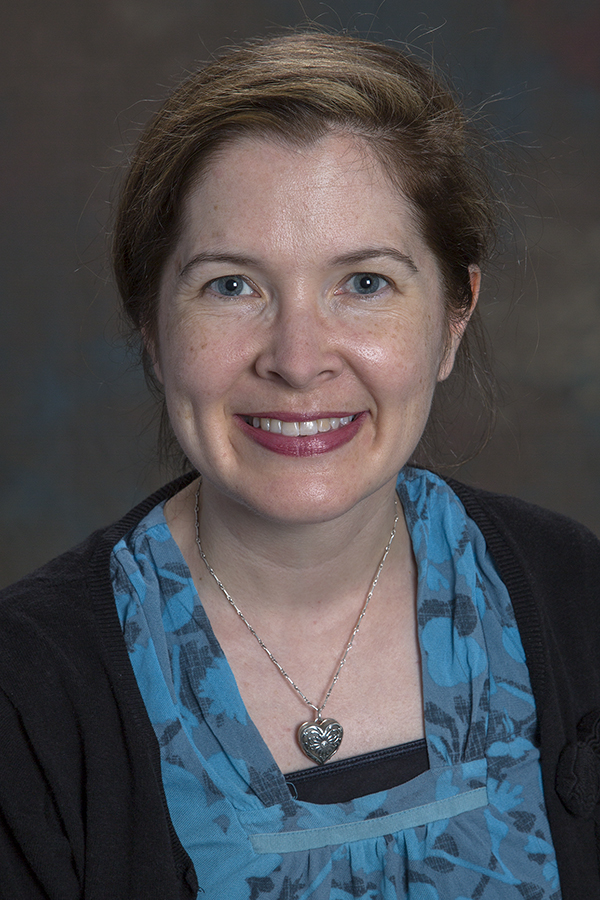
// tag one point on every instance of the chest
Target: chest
(479, 724)
(377, 696)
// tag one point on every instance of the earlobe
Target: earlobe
(152, 351)
(475, 279)
(457, 329)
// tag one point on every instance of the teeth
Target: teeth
(294, 429)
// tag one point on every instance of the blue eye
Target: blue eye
(367, 283)
(230, 286)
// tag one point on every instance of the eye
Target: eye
(230, 286)
(366, 283)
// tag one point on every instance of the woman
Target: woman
(302, 674)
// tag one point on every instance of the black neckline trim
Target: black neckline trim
(358, 776)
(351, 762)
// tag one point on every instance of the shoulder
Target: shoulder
(545, 543)
(67, 602)
(64, 573)
(547, 561)
(550, 565)
(64, 667)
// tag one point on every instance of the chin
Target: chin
(305, 504)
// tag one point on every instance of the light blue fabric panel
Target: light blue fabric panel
(310, 839)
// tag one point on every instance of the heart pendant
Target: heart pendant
(321, 739)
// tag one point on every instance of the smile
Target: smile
(303, 437)
(297, 429)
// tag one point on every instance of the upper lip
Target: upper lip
(299, 417)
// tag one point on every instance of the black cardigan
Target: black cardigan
(82, 807)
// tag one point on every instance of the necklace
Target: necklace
(320, 739)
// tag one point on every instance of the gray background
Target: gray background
(81, 77)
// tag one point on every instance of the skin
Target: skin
(297, 539)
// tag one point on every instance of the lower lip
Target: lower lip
(308, 445)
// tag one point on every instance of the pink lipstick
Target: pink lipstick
(293, 435)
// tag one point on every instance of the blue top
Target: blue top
(473, 827)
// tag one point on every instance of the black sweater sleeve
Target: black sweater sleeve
(38, 857)
(83, 815)
(551, 568)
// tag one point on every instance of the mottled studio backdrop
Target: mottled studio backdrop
(79, 78)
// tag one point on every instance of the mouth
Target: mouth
(300, 428)
(303, 436)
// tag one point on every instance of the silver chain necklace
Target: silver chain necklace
(318, 740)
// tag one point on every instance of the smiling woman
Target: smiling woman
(299, 247)
(294, 334)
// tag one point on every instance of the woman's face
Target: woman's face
(301, 328)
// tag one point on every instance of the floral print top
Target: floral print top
(472, 827)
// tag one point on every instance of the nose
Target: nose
(300, 347)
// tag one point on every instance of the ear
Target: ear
(457, 329)
(151, 348)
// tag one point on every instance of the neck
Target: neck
(289, 569)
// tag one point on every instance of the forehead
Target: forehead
(267, 188)
(331, 160)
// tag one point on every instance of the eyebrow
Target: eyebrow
(350, 259)
(372, 253)
(234, 258)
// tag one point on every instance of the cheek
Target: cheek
(182, 352)
(202, 360)
(404, 356)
